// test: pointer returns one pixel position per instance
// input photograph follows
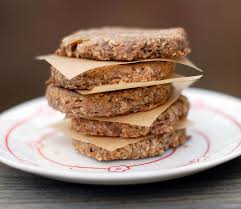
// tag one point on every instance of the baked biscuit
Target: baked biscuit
(164, 123)
(125, 44)
(74, 104)
(150, 146)
(129, 73)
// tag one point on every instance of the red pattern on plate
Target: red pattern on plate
(199, 104)
(13, 128)
(204, 155)
(120, 168)
(40, 147)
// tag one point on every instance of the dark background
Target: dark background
(31, 28)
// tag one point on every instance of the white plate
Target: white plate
(29, 145)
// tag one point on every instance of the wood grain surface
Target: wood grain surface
(219, 188)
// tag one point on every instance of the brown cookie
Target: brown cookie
(164, 123)
(151, 146)
(107, 104)
(129, 73)
(125, 44)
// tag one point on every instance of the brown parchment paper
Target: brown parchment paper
(72, 67)
(108, 143)
(120, 86)
(148, 117)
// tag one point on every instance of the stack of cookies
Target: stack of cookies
(101, 124)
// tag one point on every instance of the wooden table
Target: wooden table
(219, 188)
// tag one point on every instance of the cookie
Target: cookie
(125, 44)
(164, 123)
(152, 145)
(129, 73)
(74, 104)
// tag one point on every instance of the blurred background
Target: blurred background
(31, 28)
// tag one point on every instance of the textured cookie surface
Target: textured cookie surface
(128, 73)
(125, 44)
(164, 123)
(151, 146)
(107, 104)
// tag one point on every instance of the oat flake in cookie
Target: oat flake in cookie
(125, 44)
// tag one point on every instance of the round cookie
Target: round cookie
(164, 123)
(151, 146)
(129, 73)
(107, 104)
(125, 44)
